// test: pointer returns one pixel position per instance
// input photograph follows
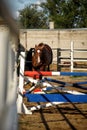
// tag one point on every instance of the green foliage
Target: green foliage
(67, 13)
(64, 13)
(31, 17)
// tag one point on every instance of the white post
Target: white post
(21, 82)
(72, 55)
(3, 70)
(21, 108)
(11, 91)
(7, 83)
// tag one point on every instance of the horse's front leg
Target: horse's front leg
(48, 67)
(33, 69)
(42, 68)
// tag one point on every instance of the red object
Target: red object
(37, 90)
(37, 74)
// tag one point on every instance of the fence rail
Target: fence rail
(69, 60)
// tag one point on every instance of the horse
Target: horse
(42, 57)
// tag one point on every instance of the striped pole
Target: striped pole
(53, 73)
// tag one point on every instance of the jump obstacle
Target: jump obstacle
(48, 73)
(64, 95)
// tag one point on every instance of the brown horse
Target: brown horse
(42, 57)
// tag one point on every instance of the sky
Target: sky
(20, 4)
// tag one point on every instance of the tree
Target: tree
(31, 17)
(67, 13)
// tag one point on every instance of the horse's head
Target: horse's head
(42, 56)
(38, 56)
(38, 53)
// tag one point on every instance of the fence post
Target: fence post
(72, 55)
(58, 59)
(21, 82)
(7, 82)
(3, 68)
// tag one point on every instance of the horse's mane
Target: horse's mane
(41, 45)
